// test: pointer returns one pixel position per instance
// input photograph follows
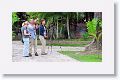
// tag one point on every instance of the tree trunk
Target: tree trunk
(57, 30)
(90, 45)
(98, 15)
(68, 30)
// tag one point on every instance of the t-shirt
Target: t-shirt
(45, 31)
(22, 30)
(32, 31)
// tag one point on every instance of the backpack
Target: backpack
(22, 35)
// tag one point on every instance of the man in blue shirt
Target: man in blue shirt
(33, 37)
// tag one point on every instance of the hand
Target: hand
(46, 37)
(29, 34)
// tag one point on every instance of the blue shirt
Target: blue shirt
(32, 31)
(22, 30)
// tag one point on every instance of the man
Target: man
(43, 36)
(33, 37)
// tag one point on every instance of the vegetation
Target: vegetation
(72, 45)
(85, 36)
(95, 29)
(67, 42)
(83, 57)
(64, 23)
(14, 17)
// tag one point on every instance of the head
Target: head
(36, 20)
(42, 21)
(32, 21)
(25, 24)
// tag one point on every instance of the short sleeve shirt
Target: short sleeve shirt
(22, 29)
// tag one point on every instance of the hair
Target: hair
(31, 20)
(42, 20)
(24, 23)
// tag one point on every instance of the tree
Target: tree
(95, 29)
(68, 30)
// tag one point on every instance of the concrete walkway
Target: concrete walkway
(52, 56)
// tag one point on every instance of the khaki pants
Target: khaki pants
(43, 42)
(33, 43)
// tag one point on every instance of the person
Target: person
(36, 26)
(43, 36)
(25, 36)
(33, 37)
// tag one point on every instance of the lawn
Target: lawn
(67, 42)
(72, 45)
(80, 39)
(83, 57)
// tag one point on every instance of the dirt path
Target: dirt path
(52, 56)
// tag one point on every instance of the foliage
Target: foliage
(95, 29)
(85, 36)
(92, 26)
(14, 17)
(72, 45)
(62, 21)
(13, 35)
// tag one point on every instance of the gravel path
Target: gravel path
(52, 56)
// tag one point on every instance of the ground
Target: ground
(53, 56)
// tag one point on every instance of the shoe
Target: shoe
(25, 56)
(43, 53)
(30, 54)
(36, 54)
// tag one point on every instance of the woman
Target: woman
(26, 35)
(43, 36)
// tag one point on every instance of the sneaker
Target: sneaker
(30, 54)
(43, 53)
(36, 54)
(25, 56)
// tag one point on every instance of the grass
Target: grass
(80, 39)
(73, 45)
(67, 42)
(83, 57)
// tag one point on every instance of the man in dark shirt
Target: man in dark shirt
(43, 36)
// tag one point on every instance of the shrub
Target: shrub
(13, 35)
(85, 35)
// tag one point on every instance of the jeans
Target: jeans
(26, 47)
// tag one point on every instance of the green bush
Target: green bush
(85, 35)
(13, 35)
(92, 26)
(14, 17)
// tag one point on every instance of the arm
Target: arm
(37, 26)
(25, 33)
